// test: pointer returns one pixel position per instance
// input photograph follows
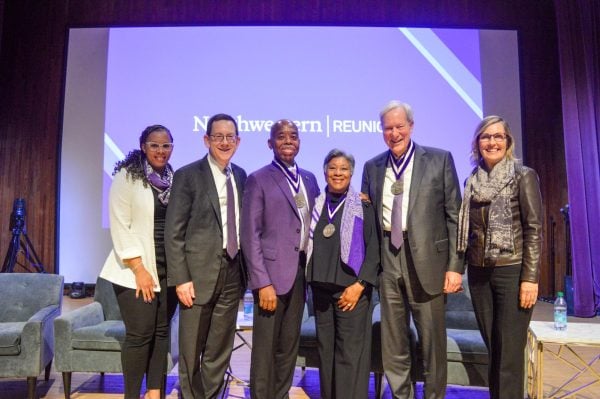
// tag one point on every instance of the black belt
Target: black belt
(387, 233)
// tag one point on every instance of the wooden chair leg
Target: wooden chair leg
(67, 384)
(31, 385)
(47, 371)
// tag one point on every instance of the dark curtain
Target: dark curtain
(579, 52)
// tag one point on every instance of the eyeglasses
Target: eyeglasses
(497, 137)
(156, 146)
(218, 138)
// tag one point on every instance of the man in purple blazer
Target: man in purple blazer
(278, 201)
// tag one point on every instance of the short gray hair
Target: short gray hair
(394, 104)
(335, 153)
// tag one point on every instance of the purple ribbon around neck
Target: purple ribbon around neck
(331, 213)
(400, 164)
(293, 178)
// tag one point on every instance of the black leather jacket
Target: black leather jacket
(526, 204)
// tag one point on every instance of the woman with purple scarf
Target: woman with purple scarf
(343, 264)
(137, 264)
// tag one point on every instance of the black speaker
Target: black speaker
(77, 290)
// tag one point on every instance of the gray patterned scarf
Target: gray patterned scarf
(493, 188)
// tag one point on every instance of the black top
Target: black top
(326, 266)
(160, 214)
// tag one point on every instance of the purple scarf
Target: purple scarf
(162, 183)
(352, 241)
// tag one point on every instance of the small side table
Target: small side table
(569, 342)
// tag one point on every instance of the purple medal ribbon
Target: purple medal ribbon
(399, 165)
(331, 213)
(293, 178)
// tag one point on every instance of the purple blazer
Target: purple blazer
(271, 227)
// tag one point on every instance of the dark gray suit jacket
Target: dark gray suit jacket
(193, 229)
(434, 202)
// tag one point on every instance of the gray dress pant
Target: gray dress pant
(402, 297)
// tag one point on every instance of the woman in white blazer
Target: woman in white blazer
(137, 264)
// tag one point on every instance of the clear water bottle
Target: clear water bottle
(560, 312)
(248, 305)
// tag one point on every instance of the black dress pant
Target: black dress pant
(275, 339)
(147, 340)
(344, 343)
(503, 324)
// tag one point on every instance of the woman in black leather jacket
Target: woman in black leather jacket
(500, 229)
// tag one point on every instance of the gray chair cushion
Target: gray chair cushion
(10, 338)
(461, 319)
(466, 346)
(308, 333)
(106, 336)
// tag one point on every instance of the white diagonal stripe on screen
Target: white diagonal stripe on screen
(461, 80)
(112, 154)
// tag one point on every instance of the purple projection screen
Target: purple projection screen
(331, 80)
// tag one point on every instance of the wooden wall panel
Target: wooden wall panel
(32, 62)
(31, 68)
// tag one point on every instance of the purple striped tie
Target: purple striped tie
(232, 244)
(397, 238)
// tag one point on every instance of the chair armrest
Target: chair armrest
(40, 325)
(88, 315)
(64, 325)
(37, 340)
(45, 314)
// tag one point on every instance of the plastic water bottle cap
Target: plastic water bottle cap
(560, 294)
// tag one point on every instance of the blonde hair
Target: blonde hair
(476, 157)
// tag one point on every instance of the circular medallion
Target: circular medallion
(397, 187)
(328, 230)
(300, 201)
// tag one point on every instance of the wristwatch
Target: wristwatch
(362, 282)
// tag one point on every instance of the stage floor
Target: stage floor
(306, 383)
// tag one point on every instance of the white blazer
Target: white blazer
(131, 210)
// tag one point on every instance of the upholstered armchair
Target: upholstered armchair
(89, 339)
(29, 303)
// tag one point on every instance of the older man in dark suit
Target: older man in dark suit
(278, 201)
(416, 194)
(201, 239)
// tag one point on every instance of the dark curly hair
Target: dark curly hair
(133, 162)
